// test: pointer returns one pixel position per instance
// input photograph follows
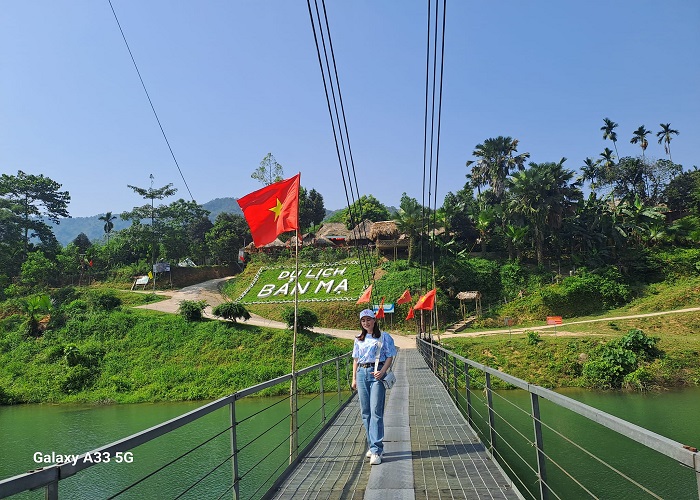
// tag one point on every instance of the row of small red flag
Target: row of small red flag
(426, 302)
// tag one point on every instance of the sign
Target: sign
(508, 321)
(142, 280)
(554, 320)
(388, 308)
(241, 255)
(161, 267)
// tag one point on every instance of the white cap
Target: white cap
(367, 313)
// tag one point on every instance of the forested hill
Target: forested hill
(93, 227)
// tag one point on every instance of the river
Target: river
(72, 429)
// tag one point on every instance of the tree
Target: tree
(109, 225)
(149, 212)
(409, 221)
(544, 195)
(229, 234)
(609, 132)
(269, 171)
(367, 207)
(664, 136)
(497, 159)
(640, 136)
(311, 208)
(33, 197)
(182, 228)
(683, 192)
(82, 242)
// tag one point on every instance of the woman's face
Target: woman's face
(367, 323)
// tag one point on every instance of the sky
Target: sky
(233, 80)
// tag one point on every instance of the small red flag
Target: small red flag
(366, 295)
(380, 311)
(272, 210)
(405, 297)
(410, 314)
(427, 301)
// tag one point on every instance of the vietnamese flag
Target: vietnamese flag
(380, 311)
(405, 297)
(272, 210)
(410, 314)
(427, 301)
(366, 295)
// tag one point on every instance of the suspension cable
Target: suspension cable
(143, 84)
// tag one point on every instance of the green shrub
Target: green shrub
(533, 338)
(306, 319)
(192, 310)
(76, 379)
(232, 311)
(104, 301)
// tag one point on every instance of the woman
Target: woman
(368, 383)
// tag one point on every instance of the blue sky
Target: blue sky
(233, 80)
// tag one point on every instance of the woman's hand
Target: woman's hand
(379, 375)
(353, 384)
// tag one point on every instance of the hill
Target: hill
(69, 228)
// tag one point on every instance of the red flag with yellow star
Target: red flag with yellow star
(272, 210)
(427, 301)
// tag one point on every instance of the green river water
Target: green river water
(28, 430)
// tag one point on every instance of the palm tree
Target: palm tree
(664, 136)
(609, 132)
(544, 194)
(590, 171)
(497, 159)
(109, 225)
(640, 136)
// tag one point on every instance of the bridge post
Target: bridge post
(51, 491)
(468, 394)
(541, 463)
(323, 398)
(337, 379)
(234, 448)
(492, 421)
(454, 377)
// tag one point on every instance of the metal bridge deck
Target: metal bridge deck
(429, 450)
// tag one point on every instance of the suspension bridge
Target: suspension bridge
(449, 434)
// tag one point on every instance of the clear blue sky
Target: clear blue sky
(233, 80)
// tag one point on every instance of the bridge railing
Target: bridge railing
(557, 447)
(223, 449)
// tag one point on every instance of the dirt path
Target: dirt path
(209, 291)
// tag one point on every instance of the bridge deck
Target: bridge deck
(429, 450)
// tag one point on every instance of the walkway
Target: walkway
(430, 452)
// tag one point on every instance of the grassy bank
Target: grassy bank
(129, 356)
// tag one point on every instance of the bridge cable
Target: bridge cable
(336, 110)
(133, 60)
(431, 139)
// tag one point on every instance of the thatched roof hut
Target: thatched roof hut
(384, 230)
(306, 239)
(361, 232)
(277, 243)
(334, 231)
(320, 241)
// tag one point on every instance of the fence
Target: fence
(221, 450)
(556, 447)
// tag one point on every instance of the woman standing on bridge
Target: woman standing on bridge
(370, 389)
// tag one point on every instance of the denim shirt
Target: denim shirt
(365, 351)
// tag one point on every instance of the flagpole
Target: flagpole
(294, 438)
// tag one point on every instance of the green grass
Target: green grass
(129, 356)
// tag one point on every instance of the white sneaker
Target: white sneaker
(368, 454)
(375, 460)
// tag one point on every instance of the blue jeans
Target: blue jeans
(371, 393)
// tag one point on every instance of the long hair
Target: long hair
(376, 333)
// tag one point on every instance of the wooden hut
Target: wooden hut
(386, 236)
(360, 234)
(334, 231)
(475, 296)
